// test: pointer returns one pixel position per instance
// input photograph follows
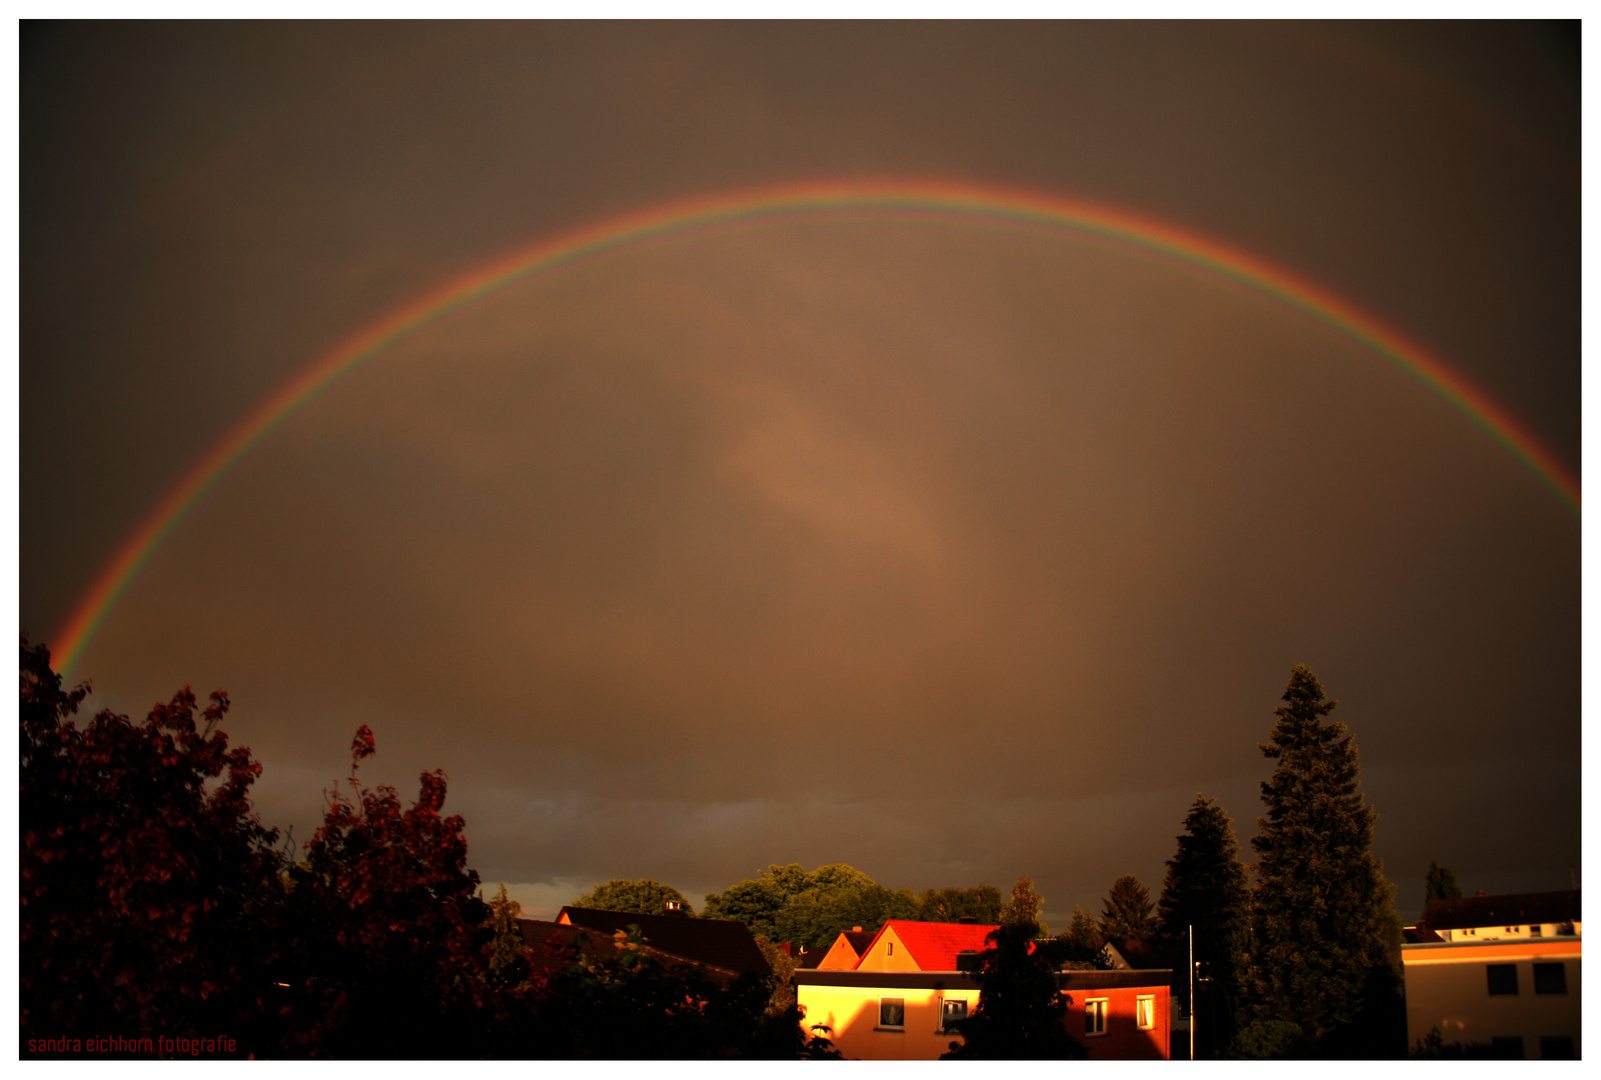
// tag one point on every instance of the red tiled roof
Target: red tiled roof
(934, 945)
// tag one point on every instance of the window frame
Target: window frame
(1146, 1004)
(1550, 966)
(1100, 1015)
(944, 1020)
(882, 1026)
(1490, 972)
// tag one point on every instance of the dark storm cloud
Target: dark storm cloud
(952, 554)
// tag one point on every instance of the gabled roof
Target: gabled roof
(934, 945)
(1516, 909)
(846, 951)
(717, 943)
(1145, 955)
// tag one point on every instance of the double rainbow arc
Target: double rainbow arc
(939, 201)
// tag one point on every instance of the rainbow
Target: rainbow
(958, 203)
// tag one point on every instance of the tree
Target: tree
(1023, 908)
(1021, 1012)
(633, 1005)
(815, 917)
(812, 909)
(1082, 945)
(642, 897)
(149, 891)
(1206, 888)
(1440, 884)
(757, 901)
(1324, 933)
(1126, 911)
(982, 904)
(393, 949)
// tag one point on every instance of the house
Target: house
(913, 979)
(846, 951)
(1499, 971)
(722, 947)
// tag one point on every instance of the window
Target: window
(1556, 1047)
(891, 1012)
(1506, 1047)
(952, 1010)
(1095, 1016)
(1145, 1011)
(1550, 979)
(1503, 980)
(1536, 930)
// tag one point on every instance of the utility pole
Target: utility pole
(1192, 991)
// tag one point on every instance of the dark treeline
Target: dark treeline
(158, 914)
(155, 905)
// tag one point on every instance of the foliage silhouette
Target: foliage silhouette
(1325, 938)
(148, 887)
(1021, 1011)
(642, 897)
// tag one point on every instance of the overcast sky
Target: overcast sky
(952, 554)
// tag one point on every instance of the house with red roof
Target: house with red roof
(914, 979)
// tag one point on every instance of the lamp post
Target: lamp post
(1192, 991)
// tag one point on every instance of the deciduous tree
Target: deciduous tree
(149, 898)
(642, 897)
(392, 942)
(982, 904)
(1324, 933)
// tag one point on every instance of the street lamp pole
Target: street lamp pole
(1192, 991)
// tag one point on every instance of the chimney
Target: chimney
(856, 929)
(970, 920)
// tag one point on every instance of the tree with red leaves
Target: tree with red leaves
(392, 939)
(148, 886)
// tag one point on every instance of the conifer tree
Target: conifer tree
(1323, 926)
(1440, 884)
(1206, 888)
(1126, 911)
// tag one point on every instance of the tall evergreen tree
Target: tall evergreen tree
(1440, 884)
(1126, 911)
(1323, 926)
(1206, 888)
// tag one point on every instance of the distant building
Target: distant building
(722, 948)
(1502, 972)
(913, 979)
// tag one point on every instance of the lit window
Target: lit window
(1550, 979)
(951, 1011)
(1145, 1012)
(1503, 979)
(892, 1012)
(1095, 1016)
